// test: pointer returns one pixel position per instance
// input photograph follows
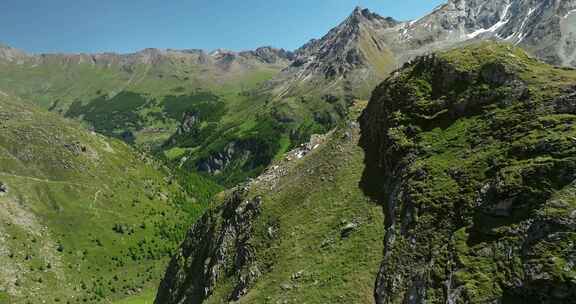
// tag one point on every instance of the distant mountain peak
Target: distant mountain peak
(271, 55)
(362, 15)
(359, 12)
(9, 53)
(351, 53)
(365, 47)
(544, 28)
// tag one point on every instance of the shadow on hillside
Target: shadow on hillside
(373, 181)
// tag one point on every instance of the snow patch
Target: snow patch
(405, 32)
(569, 13)
(520, 34)
(411, 23)
(496, 26)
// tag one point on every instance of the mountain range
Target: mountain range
(469, 153)
(366, 46)
(150, 93)
(150, 138)
(79, 211)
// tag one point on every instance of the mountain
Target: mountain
(229, 114)
(347, 57)
(544, 28)
(301, 232)
(83, 218)
(151, 56)
(60, 82)
(327, 74)
(366, 47)
(470, 155)
(464, 194)
(8, 53)
(147, 98)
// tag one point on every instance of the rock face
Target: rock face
(544, 28)
(310, 234)
(11, 54)
(3, 189)
(189, 123)
(366, 47)
(349, 55)
(219, 161)
(471, 154)
(243, 153)
(270, 55)
(218, 246)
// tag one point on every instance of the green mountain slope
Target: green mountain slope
(143, 94)
(472, 154)
(83, 218)
(303, 232)
(184, 105)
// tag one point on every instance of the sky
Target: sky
(73, 26)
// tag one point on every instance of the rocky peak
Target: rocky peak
(150, 55)
(360, 14)
(350, 54)
(270, 55)
(542, 27)
(343, 48)
(222, 52)
(359, 23)
(365, 16)
(11, 54)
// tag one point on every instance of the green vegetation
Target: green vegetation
(105, 213)
(145, 103)
(113, 116)
(83, 218)
(204, 104)
(144, 298)
(311, 259)
(475, 152)
(181, 109)
(315, 238)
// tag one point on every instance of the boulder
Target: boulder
(3, 189)
(347, 230)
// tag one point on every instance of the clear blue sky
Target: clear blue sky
(130, 25)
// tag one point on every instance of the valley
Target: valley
(83, 216)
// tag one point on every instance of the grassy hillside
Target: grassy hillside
(83, 218)
(303, 232)
(199, 117)
(327, 233)
(145, 103)
(145, 99)
(472, 155)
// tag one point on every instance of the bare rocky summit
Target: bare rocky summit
(366, 46)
